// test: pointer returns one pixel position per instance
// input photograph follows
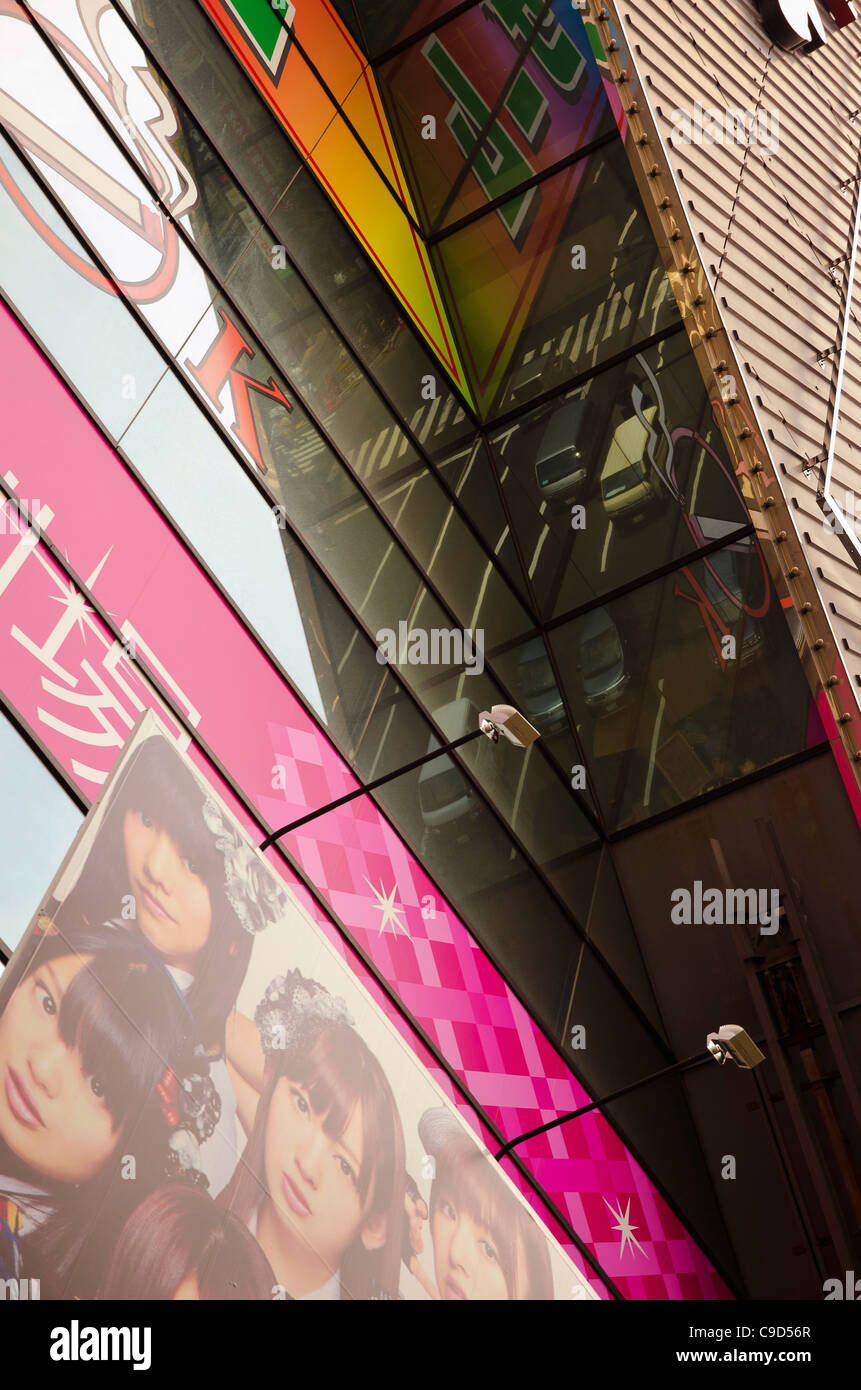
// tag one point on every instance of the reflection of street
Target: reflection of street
(569, 565)
(572, 348)
(585, 313)
(380, 449)
(688, 725)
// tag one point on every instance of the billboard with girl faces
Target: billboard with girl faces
(199, 1100)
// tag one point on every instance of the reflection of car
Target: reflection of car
(795, 627)
(541, 698)
(628, 486)
(601, 661)
(445, 796)
(566, 452)
(725, 565)
(544, 370)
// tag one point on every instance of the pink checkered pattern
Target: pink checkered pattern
(458, 996)
(252, 721)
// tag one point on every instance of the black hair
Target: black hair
(129, 1023)
(176, 1233)
(339, 1072)
(158, 784)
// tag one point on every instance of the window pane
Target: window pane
(563, 277)
(368, 315)
(386, 22)
(620, 477)
(94, 337)
(675, 686)
(236, 536)
(202, 68)
(236, 523)
(554, 105)
(302, 219)
(38, 821)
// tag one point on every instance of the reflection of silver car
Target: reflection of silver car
(725, 565)
(445, 796)
(541, 698)
(601, 661)
(566, 452)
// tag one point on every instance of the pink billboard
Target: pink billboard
(283, 1140)
(81, 689)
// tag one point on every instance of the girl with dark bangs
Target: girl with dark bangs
(486, 1245)
(326, 1147)
(177, 1244)
(168, 867)
(87, 1029)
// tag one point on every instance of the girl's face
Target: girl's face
(172, 903)
(52, 1115)
(466, 1259)
(188, 1289)
(313, 1180)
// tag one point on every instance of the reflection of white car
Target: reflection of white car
(628, 486)
(601, 661)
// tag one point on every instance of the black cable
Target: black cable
(371, 786)
(687, 1065)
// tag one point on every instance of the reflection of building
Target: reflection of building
(569, 483)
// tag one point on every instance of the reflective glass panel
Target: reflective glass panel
(556, 281)
(685, 684)
(618, 477)
(476, 151)
(183, 40)
(386, 22)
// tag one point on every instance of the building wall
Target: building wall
(802, 986)
(259, 420)
(196, 440)
(773, 220)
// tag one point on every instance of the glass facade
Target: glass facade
(541, 510)
(36, 827)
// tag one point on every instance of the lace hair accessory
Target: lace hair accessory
(294, 1009)
(437, 1127)
(192, 1108)
(251, 889)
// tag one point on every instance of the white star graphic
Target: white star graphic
(386, 904)
(76, 606)
(78, 611)
(624, 1225)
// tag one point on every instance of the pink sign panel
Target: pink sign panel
(80, 692)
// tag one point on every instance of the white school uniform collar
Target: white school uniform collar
(183, 979)
(328, 1292)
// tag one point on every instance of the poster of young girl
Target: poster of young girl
(199, 1099)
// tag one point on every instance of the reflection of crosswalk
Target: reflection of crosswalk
(612, 315)
(432, 418)
(390, 444)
